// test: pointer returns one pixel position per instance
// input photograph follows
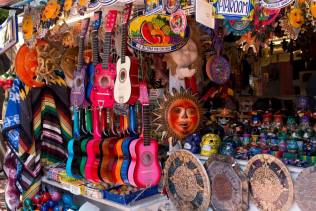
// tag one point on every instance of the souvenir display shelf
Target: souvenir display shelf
(104, 204)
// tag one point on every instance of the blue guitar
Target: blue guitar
(126, 143)
(95, 52)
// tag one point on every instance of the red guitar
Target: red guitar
(104, 74)
(126, 86)
(144, 169)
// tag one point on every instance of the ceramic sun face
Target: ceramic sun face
(68, 5)
(179, 114)
(27, 27)
(51, 10)
(296, 18)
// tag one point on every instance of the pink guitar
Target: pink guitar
(144, 169)
(93, 151)
(105, 73)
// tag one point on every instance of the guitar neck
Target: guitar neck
(107, 47)
(96, 123)
(95, 47)
(146, 124)
(124, 40)
(80, 54)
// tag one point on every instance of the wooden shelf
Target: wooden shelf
(141, 204)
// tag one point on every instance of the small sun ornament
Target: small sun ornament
(179, 114)
(311, 13)
(50, 13)
(292, 22)
(30, 23)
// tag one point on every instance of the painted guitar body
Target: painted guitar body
(126, 158)
(104, 83)
(83, 148)
(91, 169)
(107, 161)
(119, 161)
(132, 164)
(147, 168)
(93, 151)
(77, 95)
(134, 82)
(122, 85)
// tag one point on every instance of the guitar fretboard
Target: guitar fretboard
(146, 124)
(95, 47)
(80, 54)
(107, 47)
(124, 40)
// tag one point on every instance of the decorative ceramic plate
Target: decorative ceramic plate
(218, 70)
(153, 34)
(186, 181)
(229, 184)
(305, 189)
(271, 185)
(237, 27)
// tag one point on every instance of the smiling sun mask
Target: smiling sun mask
(179, 114)
(296, 18)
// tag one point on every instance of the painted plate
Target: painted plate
(271, 185)
(26, 63)
(218, 69)
(305, 189)
(275, 4)
(186, 181)
(229, 184)
(264, 16)
(153, 34)
(237, 27)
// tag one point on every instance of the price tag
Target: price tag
(74, 190)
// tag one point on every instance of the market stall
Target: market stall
(159, 105)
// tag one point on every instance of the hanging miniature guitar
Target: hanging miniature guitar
(77, 96)
(147, 170)
(126, 88)
(95, 52)
(104, 74)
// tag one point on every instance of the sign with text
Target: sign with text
(233, 9)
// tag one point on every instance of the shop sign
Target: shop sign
(233, 9)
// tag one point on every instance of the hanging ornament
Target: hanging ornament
(178, 22)
(179, 114)
(311, 13)
(30, 23)
(292, 22)
(172, 6)
(50, 13)
(264, 17)
(248, 41)
(237, 27)
(218, 70)
(67, 7)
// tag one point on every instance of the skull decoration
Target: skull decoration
(192, 143)
(210, 144)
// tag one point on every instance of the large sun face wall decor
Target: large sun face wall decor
(179, 114)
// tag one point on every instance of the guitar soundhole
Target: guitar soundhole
(122, 75)
(147, 159)
(78, 82)
(104, 82)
